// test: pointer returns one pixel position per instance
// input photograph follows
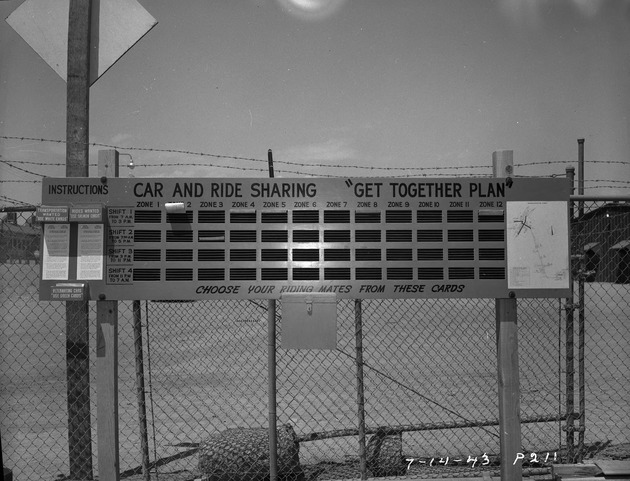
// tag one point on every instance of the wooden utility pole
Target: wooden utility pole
(78, 89)
(77, 165)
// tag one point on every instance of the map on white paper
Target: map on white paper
(537, 245)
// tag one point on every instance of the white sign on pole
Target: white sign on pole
(117, 25)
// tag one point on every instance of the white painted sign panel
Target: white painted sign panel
(117, 25)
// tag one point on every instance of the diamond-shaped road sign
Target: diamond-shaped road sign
(116, 26)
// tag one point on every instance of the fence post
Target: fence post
(142, 404)
(507, 360)
(271, 356)
(358, 335)
(107, 361)
(271, 360)
(581, 307)
(140, 393)
(569, 337)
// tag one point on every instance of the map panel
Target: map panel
(537, 249)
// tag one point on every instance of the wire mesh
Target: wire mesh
(600, 247)
(429, 375)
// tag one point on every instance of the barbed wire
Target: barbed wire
(38, 163)
(147, 149)
(621, 162)
(309, 174)
(299, 164)
(409, 176)
(332, 176)
(608, 180)
(20, 181)
(20, 168)
(14, 201)
(193, 164)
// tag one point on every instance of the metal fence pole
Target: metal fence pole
(570, 399)
(358, 336)
(271, 332)
(139, 356)
(273, 442)
(142, 405)
(581, 280)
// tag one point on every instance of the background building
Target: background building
(602, 236)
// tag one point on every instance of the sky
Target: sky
(345, 88)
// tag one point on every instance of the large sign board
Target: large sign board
(191, 238)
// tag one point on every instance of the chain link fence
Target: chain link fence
(193, 377)
(600, 247)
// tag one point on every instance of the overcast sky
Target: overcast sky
(358, 85)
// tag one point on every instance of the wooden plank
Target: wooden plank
(509, 388)
(412, 478)
(507, 360)
(611, 467)
(580, 478)
(107, 389)
(107, 363)
(563, 471)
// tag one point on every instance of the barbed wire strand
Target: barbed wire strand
(9, 163)
(20, 168)
(299, 164)
(14, 201)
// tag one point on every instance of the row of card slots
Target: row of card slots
(316, 255)
(315, 216)
(313, 235)
(317, 274)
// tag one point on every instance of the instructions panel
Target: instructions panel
(187, 238)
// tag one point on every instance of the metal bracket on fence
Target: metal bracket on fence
(573, 429)
(582, 274)
(569, 427)
(571, 306)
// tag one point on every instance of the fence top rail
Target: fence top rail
(611, 197)
(28, 208)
